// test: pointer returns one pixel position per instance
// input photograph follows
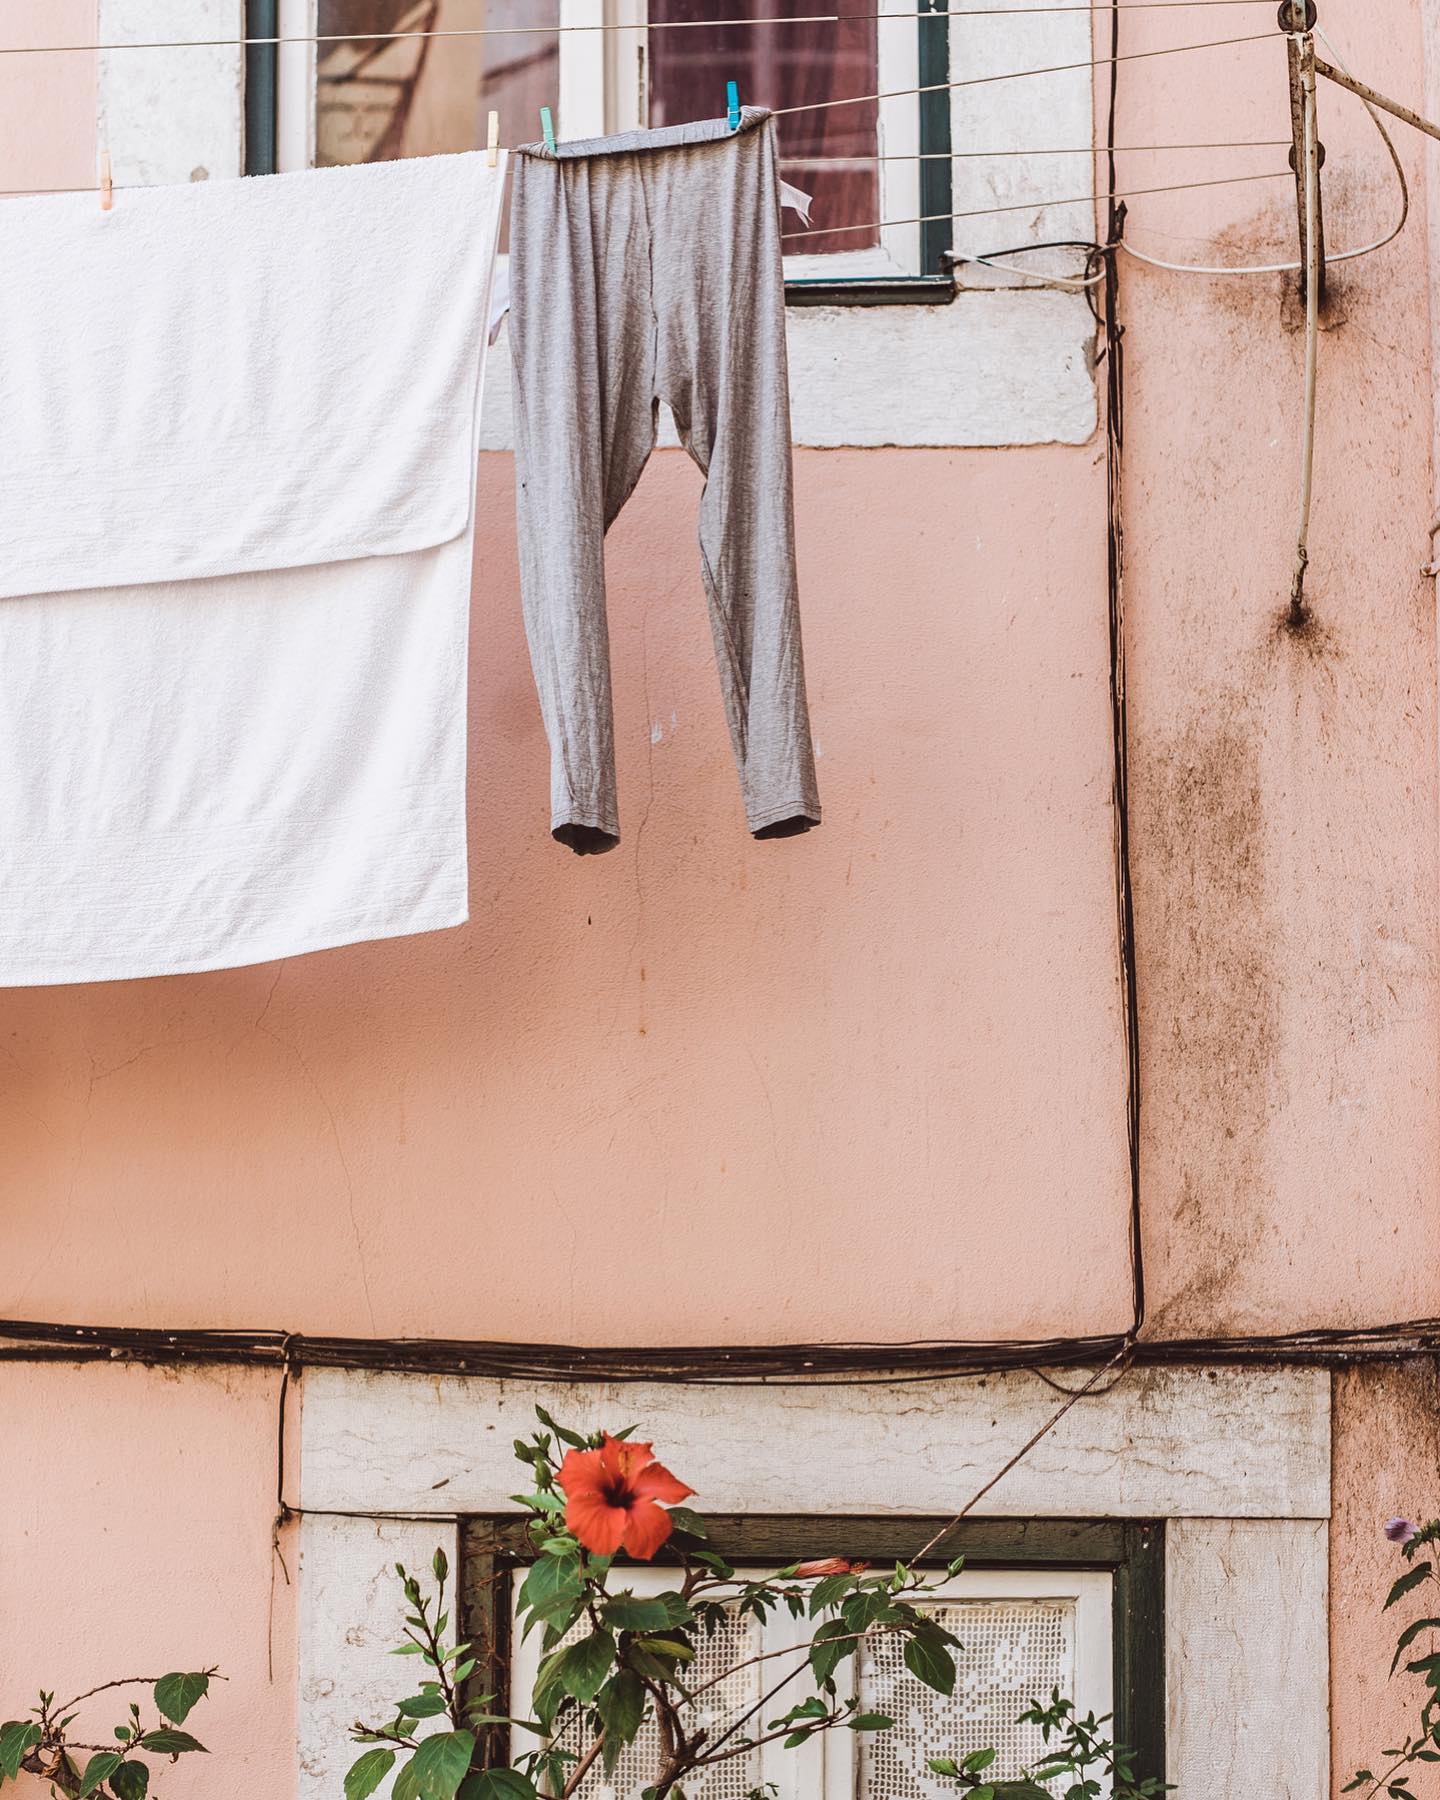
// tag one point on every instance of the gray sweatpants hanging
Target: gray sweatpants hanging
(646, 267)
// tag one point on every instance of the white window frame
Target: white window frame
(828, 1767)
(1236, 1461)
(604, 88)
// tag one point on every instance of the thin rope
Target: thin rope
(814, 162)
(470, 31)
(808, 162)
(1036, 205)
(1173, 187)
(1094, 62)
(1331, 256)
(1074, 1397)
(1312, 329)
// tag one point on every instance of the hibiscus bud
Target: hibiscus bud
(829, 1565)
(1400, 1531)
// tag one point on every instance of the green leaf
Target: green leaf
(176, 1694)
(978, 1760)
(552, 1583)
(100, 1768)
(422, 1706)
(670, 1647)
(170, 1743)
(862, 1610)
(16, 1737)
(870, 1722)
(585, 1665)
(828, 1590)
(1408, 1637)
(931, 1662)
(621, 1704)
(685, 1519)
(832, 1643)
(1411, 1579)
(572, 1438)
(367, 1774)
(626, 1613)
(130, 1781)
(496, 1784)
(437, 1768)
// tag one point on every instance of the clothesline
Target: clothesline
(1174, 187)
(1094, 62)
(1097, 62)
(812, 162)
(815, 162)
(981, 212)
(373, 37)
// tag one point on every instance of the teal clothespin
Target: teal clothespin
(732, 105)
(547, 125)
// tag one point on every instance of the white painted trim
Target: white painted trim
(351, 1616)
(1247, 1658)
(1237, 1460)
(295, 76)
(1034, 114)
(171, 115)
(1164, 1443)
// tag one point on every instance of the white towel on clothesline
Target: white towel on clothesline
(238, 435)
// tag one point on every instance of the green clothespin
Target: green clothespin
(547, 125)
(732, 105)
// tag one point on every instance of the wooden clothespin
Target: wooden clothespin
(107, 185)
(547, 125)
(492, 139)
(732, 105)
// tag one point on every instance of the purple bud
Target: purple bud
(1400, 1531)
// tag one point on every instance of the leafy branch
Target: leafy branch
(614, 1663)
(1422, 1743)
(43, 1744)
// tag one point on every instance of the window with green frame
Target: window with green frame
(877, 166)
(1077, 1604)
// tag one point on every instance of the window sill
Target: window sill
(885, 290)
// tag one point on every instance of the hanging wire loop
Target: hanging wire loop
(1298, 612)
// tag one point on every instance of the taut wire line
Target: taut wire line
(470, 31)
(809, 162)
(1094, 62)
(981, 212)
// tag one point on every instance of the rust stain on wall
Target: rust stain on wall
(1210, 1001)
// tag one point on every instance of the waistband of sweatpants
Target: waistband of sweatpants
(665, 137)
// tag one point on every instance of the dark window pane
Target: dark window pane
(780, 66)
(422, 96)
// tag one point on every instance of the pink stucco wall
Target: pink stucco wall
(137, 1510)
(1284, 784)
(870, 1081)
(47, 103)
(672, 1094)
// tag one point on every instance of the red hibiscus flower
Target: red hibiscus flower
(829, 1565)
(614, 1498)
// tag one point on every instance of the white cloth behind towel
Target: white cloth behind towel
(237, 478)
